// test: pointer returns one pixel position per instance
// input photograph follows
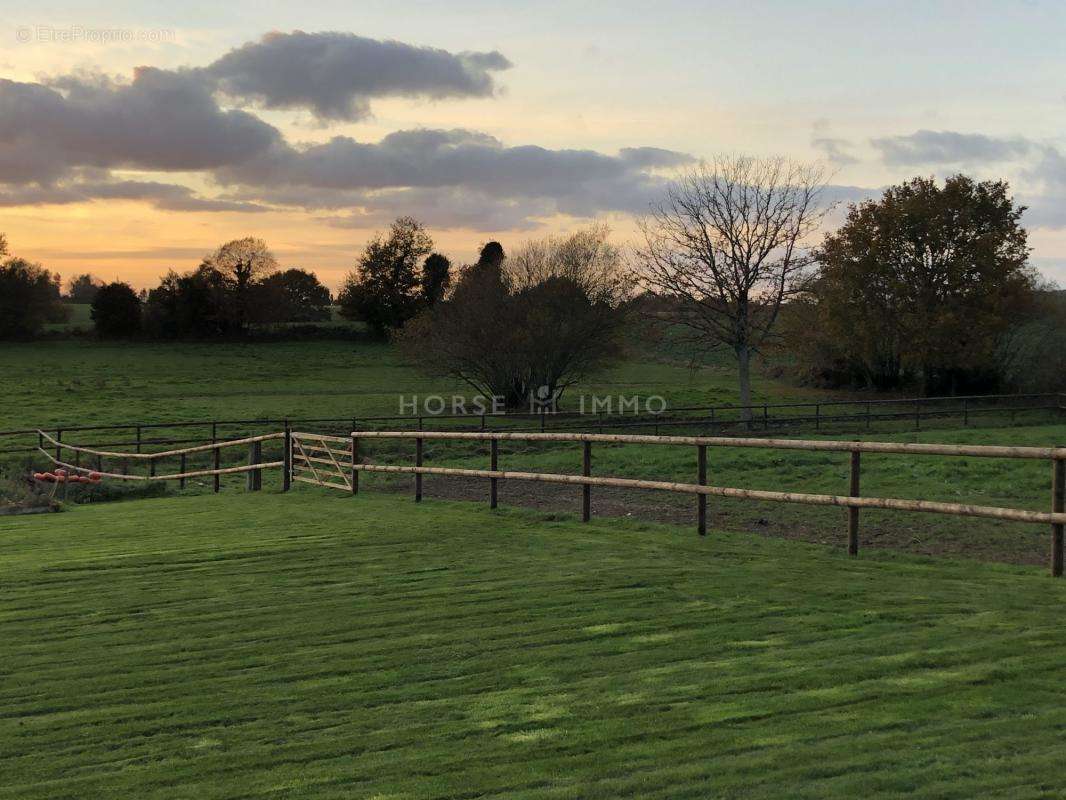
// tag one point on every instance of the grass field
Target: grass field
(311, 645)
(72, 381)
(63, 381)
(80, 320)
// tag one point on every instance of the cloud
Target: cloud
(161, 120)
(835, 150)
(61, 138)
(949, 147)
(577, 182)
(335, 75)
(654, 157)
(446, 208)
(165, 196)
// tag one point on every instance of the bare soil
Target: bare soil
(887, 531)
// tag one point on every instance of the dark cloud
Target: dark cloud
(335, 75)
(161, 120)
(166, 196)
(949, 147)
(61, 138)
(578, 182)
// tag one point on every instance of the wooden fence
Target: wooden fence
(254, 467)
(333, 461)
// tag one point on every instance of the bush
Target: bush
(116, 311)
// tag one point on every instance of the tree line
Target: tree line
(927, 287)
(233, 288)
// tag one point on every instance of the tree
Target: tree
(585, 257)
(383, 290)
(192, 305)
(726, 245)
(525, 330)
(241, 263)
(116, 311)
(29, 297)
(436, 278)
(293, 295)
(83, 288)
(921, 285)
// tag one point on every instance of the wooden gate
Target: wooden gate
(324, 461)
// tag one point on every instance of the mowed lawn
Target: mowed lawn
(311, 645)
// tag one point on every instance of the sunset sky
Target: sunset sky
(135, 136)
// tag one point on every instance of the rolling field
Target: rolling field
(87, 382)
(314, 645)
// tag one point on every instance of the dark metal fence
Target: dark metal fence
(822, 415)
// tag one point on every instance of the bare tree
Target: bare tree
(725, 247)
(587, 257)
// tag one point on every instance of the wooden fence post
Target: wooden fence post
(817, 416)
(418, 475)
(1058, 505)
(853, 513)
(701, 499)
(218, 465)
(138, 438)
(917, 414)
(181, 469)
(494, 463)
(355, 461)
(586, 490)
(255, 476)
(965, 413)
(151, 468)
(59, 450)
(286, 459)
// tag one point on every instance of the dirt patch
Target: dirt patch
(916, 537)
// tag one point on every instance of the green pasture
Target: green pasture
(315, 645)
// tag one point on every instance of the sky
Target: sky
(135, 137)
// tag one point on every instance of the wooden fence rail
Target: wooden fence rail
(254, 467)
(334, 462)
(346, 463)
